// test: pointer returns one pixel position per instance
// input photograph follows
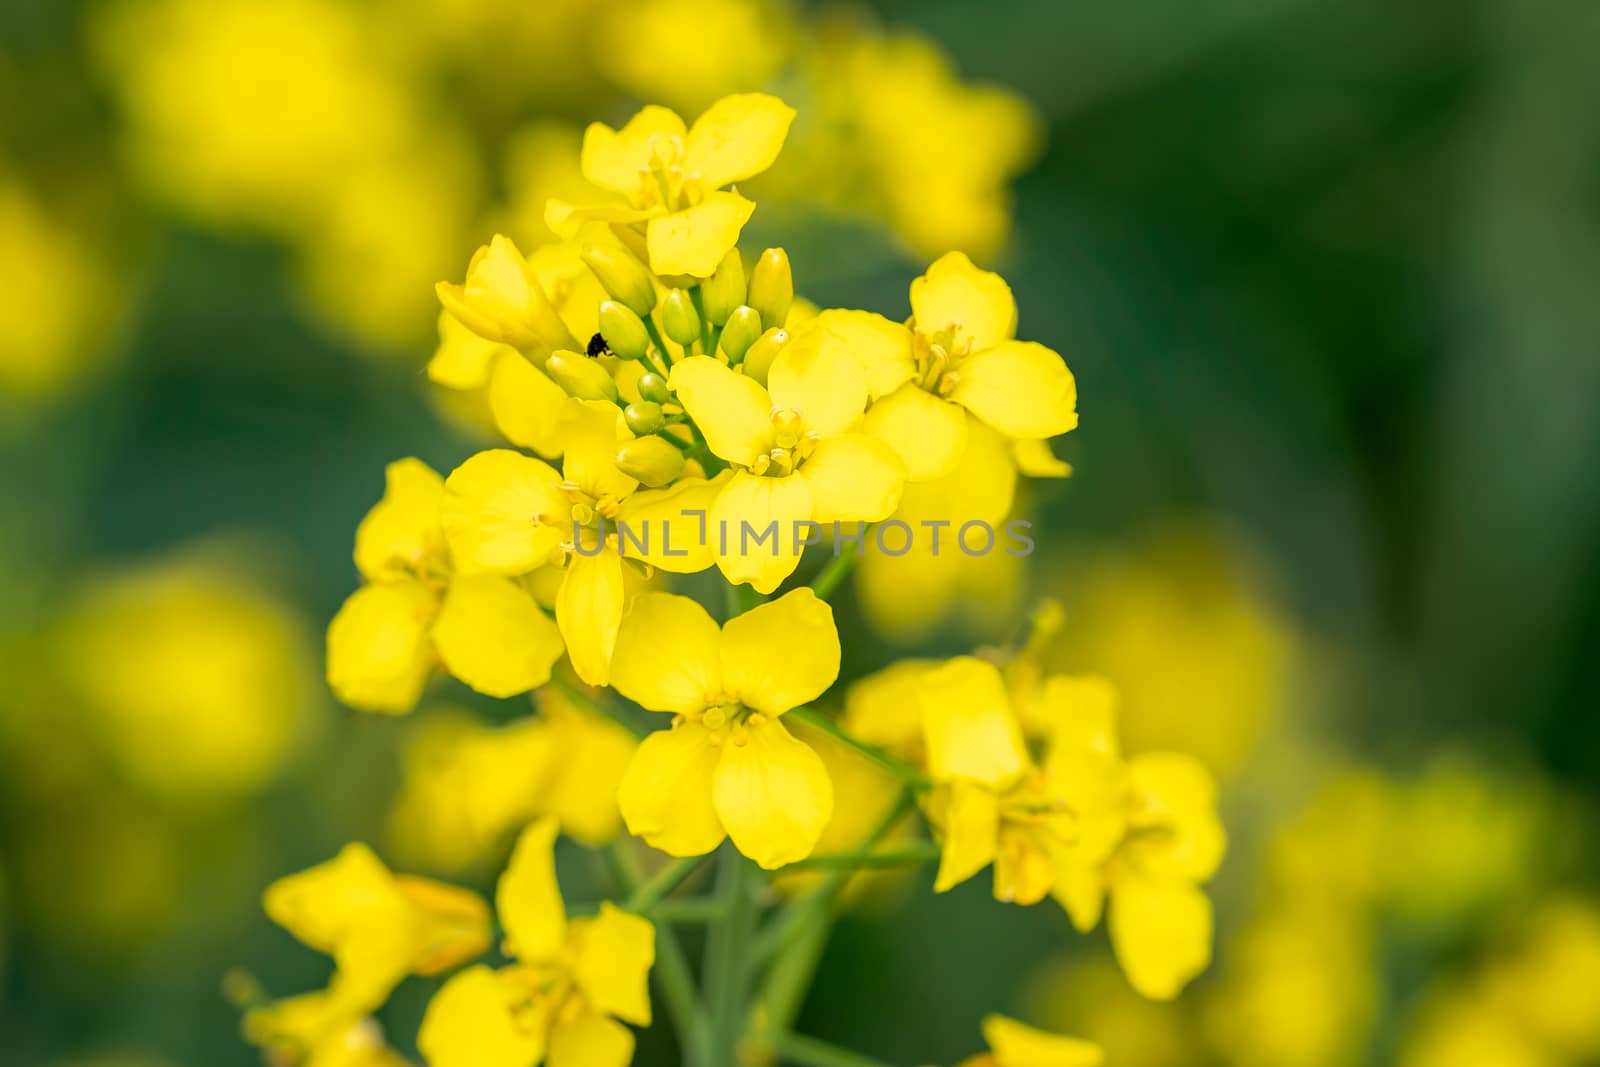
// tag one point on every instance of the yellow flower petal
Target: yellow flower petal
(854, 477)
(491, 635)
(884, 708)
(449, 925)
(780, 655)
(694, 240)
(528, 898)
(504, 513)
(590, 1041)
(1021, 388)
(527, 406)
(589, 611)
(927, 433)
(1161, 933)
(736, 138)
(1025, 863)
(463, 360)
(1016, 1045)
(501, 301)
(613, 159)
(1033, 457)
(755, 522)
(469, 1024)
(379, 657)
(1176, 794)
(593, 430)
(977, 304)
(1081, 892)
(323, 904)
(613, 953)
(772, 793)
(971, 730)
(666, 793)
(971, 826)
(668, 528)
(819, 377)
(1077, 711)
(882, 346)
(733, 411)
(403, 528)
(667, 656)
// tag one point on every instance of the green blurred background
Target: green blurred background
(1329, 277)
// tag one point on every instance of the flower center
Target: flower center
(663, 181)
(938, 354)
(791, 445)
(727, 720)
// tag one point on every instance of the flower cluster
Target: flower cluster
(676, 410)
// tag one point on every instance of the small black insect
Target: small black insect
(597, 346)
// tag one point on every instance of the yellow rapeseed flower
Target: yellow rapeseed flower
(727, 767)
(505, 513)
(568, 985)
(672, 179)
(377, 926)
(796, 449)
(417, 609)
(959, 354)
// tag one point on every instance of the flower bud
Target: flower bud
(653, 461)
(743, 327)
(653, 387)
(623, 276)
(644, 417)
(623, 331)
(501, 301)
(580, 376)
(724, 291)
(679, 317)
(758, 360)
(772, 287)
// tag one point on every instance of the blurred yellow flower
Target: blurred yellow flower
(727, 767)
(469, 785)
(199, 681)
(569, 982)
(738, 44)
(58, 295)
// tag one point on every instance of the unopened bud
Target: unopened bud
(758, 360)
(624, 333)
(653, 461)
(644, 417)
(679, 317)
(743, 327)
(580, 376)
(654, 387)
(724, 291)
(772, 287)
(623, 276)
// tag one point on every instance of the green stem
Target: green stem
(796, 939)
(688, 910)
(656, 339)
(805, 1051)
(887, 760)
(671, 971)
(728, 960)
(697, 297)
(928, 853)
(837, 569)
(578, 695)
(664, 881)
